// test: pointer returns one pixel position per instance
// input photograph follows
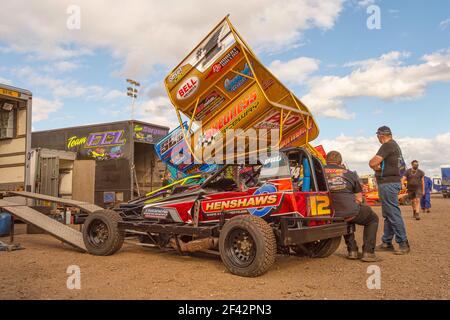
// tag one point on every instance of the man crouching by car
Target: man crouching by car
(346, 196)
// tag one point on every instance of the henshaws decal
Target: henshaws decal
(259, 204)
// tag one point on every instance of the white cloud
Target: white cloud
(146, 34)
(444, 24)
(365, 3)
(157, 110)
(42, 108)
(357, 151)
(5, 81)
(65, 66)
(295, 70)
(113, 94)
(64, 87)
(385, 77)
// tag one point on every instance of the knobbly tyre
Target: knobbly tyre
(245, 214)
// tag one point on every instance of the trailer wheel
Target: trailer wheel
(320, 249)
(247, 246)
(101, 234)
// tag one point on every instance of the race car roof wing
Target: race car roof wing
(221, 85)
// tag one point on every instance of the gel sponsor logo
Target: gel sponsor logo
(235, 83)
(216, 68)
(110, 138)
(188, 88)
(258, 204)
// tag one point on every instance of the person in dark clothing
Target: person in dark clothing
(386, 164)
(346, 197)
(415, 185)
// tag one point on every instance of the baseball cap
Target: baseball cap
(384, 130)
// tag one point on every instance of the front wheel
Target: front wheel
(319, 249)
(101, 234)
(247, 246)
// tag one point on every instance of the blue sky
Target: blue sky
(353, 79)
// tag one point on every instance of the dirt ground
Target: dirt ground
(39, 271)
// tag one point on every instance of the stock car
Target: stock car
(244, 214)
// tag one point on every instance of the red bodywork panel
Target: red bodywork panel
(275, 198)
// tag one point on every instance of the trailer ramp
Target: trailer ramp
(53, 227)
(83, 206)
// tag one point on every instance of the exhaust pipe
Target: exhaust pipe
(195, 245)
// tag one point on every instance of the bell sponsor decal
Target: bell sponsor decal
(188, 88)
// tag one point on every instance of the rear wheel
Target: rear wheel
(319, 249)
(101, 234)
(247, 246)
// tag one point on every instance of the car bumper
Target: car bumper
(294, 236)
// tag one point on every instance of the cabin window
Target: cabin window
(6, 120)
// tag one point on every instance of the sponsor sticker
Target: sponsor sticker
(156, 213)
(230, 118)
(176, 76)
(259, 204)
(216, 68)
(10, 93)
(273, 121)
(266, 84)
(209, 104)
(231, 85)
(188, 88)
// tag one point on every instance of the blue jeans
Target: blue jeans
(393, 221)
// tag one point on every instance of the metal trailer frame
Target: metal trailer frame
(34, 217)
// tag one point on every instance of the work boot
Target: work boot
(403, 248)
(384, 247)
(369, 257)
(352, 255)
(416, 215)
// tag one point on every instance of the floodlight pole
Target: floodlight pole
(133, 93)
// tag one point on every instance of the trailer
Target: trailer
(15, 137)
(445, 182)
(114, 162)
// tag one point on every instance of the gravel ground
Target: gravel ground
(39, 271)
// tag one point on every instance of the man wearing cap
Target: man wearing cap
(386, 164)
(415, 185)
